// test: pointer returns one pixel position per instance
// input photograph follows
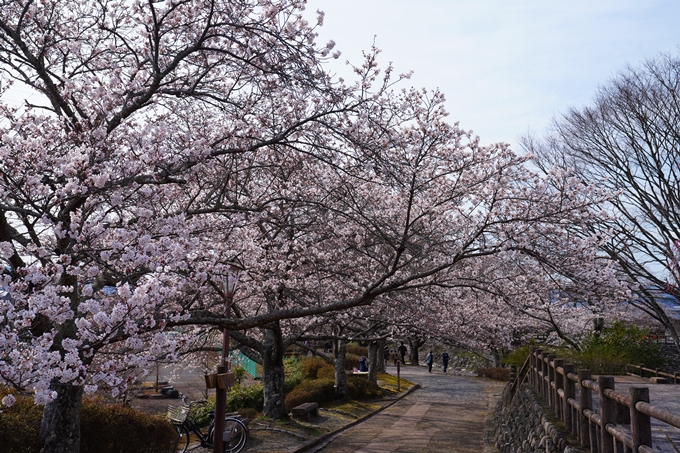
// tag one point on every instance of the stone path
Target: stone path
(447, 414)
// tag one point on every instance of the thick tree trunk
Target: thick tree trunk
(381, 357)
(497, 355)
(272, 373)
(414, 343)
(60, 425)
(340, 375)
(374, 357)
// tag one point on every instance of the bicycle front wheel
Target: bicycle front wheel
(235, 435)
(182, 440)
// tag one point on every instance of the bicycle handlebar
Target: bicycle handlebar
(191, 403)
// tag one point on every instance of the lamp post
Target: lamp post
(233, 271)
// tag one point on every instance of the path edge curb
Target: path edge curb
(305, 448)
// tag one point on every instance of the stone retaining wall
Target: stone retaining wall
(521, 425)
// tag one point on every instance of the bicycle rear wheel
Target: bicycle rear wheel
(237, 434)
(182, 440)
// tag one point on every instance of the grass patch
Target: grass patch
(388, 382)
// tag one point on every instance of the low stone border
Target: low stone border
(522, 426)
(320, 442)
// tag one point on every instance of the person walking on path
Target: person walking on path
(445, 360)
(429, 358)
(402, 352)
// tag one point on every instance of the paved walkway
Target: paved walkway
(448, 414)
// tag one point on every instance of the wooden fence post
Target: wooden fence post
(569, 392)
(559, 385)
(607, 413)
(551, 379)
(544, 368)
(640, 425)
(585, 401)
(532, 369)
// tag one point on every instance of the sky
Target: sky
(506, 67)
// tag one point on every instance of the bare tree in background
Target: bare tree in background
(628, 140)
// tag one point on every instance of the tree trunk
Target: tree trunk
(60, 425)
(340, 375)
(414, 343)
(374, 357)
(497, 356)
(272, 373)
(382, 368)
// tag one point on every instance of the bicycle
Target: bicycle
(235, 430)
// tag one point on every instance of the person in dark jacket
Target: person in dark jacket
(402, 353)
(362, 364)
(445, 360)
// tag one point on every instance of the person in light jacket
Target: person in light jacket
(429, 359)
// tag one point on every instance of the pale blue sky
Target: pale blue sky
(505, 66)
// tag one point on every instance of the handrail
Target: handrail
(520, 377)
(675, 376)
(658, 413)
(611, 427)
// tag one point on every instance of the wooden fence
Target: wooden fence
(621, 423)
(649, 372)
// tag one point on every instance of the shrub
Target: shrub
(239, 375)
(314, 390)
(356, 350)
(292, 374)
(615, 347)
(351, 361)
(358, 387)
(19, 424)
(245, 397)
(316, 368)
(112, 428)
(498, 374)
(517, 357)
(248, 413)
(244, 400)
(608, 353)
(327, 372)
(105, 428)
(201, 413)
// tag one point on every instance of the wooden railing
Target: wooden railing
(641, 371)
(622, 423)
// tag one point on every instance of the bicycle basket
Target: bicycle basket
(178, 414)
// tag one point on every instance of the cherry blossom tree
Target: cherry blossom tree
(113, 221)
(175, 138)
(423, 212)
